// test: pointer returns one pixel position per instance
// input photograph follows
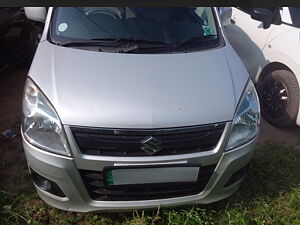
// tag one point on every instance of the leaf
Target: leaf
(7, 207)
(95, 217)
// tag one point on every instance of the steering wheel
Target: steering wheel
(92, 11)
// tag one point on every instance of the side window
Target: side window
(295, 16)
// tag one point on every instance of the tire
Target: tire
(279, 98)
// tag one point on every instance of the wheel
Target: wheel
(279, 98)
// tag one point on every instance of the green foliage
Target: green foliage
(269, 195)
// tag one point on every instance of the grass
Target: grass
(269, 195)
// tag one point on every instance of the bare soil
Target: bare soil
(12, 158)
(287, 136)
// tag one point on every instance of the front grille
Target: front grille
(128, 142)
(94, 182)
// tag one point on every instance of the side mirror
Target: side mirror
(36, 13)
(264, 15)
(225, 15)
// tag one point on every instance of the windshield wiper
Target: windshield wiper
(88, 42)
(197, 38)
(131, 44)
(126, 45)
(142, 41)
(154, 47)
(104, 41)
(164, 45)
(137, 47)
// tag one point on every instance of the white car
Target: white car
(271, 57)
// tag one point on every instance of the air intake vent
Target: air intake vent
(156, 142)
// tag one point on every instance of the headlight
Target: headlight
(245, 124)
(41, 124)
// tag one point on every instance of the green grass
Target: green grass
(269, 195)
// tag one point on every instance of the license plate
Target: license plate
(130, 176)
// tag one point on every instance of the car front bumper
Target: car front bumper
(64, 171)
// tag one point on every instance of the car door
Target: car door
(248, 38)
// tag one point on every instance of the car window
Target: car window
(170, 25)
(295, 16)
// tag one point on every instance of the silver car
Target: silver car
(132, 107)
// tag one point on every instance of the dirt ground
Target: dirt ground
(288, 136)
(12, 159)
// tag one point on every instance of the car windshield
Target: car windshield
(295, 16)
(156, 26)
